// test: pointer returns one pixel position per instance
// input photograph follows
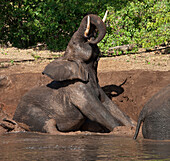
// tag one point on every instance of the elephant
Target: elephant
(74, 95)
(155, 116)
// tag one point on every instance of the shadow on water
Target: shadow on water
(32, 146)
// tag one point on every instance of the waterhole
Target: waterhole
(32, 146)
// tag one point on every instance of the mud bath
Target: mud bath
(130, 84)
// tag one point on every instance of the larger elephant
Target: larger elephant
(74, 95)
(155, 116)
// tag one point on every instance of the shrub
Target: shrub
(144, 23)
(24, 23)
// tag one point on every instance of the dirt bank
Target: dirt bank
(141, 76)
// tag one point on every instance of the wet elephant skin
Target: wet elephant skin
(74, 96)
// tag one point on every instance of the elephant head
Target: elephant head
(82, 42)
(81, 50)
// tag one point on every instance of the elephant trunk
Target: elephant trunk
(98, 23)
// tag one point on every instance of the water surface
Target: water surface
(32, 146)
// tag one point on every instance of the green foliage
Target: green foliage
(26, 22)
(144, 23)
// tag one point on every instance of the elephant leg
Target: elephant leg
(115, 111)
(89, 104)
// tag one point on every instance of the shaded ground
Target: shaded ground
(141, 76)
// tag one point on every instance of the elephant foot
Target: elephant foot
(50, 127)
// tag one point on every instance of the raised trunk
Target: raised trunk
(97, 21)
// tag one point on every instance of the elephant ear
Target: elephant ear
(60, 70)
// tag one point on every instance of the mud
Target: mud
(130, 85)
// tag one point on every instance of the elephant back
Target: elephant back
(156, 123)
(155, 116)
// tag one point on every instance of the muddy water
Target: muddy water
(31, 146)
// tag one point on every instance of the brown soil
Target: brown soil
(129, 80)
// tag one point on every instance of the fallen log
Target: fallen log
(128, 47)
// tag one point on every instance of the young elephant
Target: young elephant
(156, 117)
(75, 95)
